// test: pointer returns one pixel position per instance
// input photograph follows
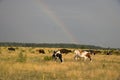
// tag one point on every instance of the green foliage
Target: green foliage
(21, 57)
(47, 58)
(116, 52)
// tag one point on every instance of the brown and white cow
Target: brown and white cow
(82, 54)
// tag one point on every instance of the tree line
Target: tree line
(50, 45)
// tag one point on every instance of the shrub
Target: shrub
(21, 57)
(47, 58)
(117, 53)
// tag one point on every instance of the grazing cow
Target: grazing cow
(81, 53)
(11, 49)
(41, 51)
(66, 51)
(56, 55)
(109, 53)
(91, 52)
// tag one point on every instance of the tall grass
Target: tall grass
(36, 67)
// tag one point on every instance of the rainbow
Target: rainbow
(45, 9)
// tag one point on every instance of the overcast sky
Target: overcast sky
(90, 22)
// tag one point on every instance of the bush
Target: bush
(47, 58)
(117, 52)
(21, 57)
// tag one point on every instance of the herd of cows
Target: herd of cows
(57, 54)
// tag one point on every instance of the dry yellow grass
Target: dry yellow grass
(36, 67)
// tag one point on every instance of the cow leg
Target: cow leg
(76, 57)
(85, 58)
(90, 58)
(54, 56)
(60, 57)
(88, 55)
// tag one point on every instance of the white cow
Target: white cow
(82, 54)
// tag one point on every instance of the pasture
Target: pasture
(26, 64)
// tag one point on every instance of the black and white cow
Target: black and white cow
(56, 55)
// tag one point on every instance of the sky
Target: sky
(89, 22)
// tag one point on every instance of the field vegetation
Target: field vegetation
(25, 63)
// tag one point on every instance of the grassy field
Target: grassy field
(27, 64)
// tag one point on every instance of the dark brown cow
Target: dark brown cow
(92, 52)
(109, 53)
(41, 51)
(11, 49)
(65, 51)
